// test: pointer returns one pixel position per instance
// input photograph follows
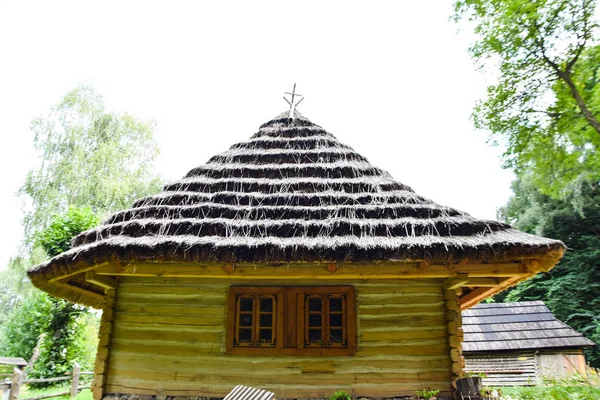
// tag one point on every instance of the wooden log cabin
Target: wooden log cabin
(292, 264)
(521, 343)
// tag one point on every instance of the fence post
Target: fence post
(75, 382)
(15, 384)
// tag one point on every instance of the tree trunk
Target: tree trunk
(587, 114)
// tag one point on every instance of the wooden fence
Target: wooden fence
(14, 386)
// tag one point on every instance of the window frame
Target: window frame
(290, 333)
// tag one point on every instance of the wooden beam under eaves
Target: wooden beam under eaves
(456, 282)
(470, 299)
(102, 281)
(316, 271)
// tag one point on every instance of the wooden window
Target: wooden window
(315, 320)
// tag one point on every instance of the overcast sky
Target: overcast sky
(390, 78)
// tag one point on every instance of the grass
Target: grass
(574, 387)
(27, 392)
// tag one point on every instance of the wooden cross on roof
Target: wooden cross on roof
(292, 103)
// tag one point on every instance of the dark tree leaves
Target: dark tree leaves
(572, 289)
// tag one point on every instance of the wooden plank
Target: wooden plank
(478, 295)
(304, 271)
(400, 309)
(456, 282)
(394, 320)
(303, 390)
(260, 378)
(208, 320)
(241, 365)
(158, 308)
(102, 281)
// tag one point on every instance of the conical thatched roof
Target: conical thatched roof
(292, 192)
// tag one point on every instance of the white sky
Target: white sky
(390, 78)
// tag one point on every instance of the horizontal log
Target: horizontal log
(45, 380)
(211, 320)
(261, 378)
(207, 291)
(287, 391)
(192, 309)
(304, 271)
(413, 348)
(402, 289)
(389, 335)
(168, 336)
(282, 364)
(409, 308)
(413, 321)
(398, 299)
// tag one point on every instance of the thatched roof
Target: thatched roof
(292, 193)
(517, 325)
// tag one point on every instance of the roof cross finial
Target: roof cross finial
(292, 104)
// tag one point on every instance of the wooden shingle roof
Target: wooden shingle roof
(517, 325)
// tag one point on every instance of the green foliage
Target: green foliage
(545, 105)
(62, 345)
(574, 387)
(427, 394)
(19, 334)
(92, 162)
(56, 238)
(340, 395)
(490, 392)
(29, 392)
(470, 374)
(572, 289)
(89, 158)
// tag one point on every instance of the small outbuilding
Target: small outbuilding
(520, 343)
(292, 264)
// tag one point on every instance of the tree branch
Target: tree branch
(589, 117)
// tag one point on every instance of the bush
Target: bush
(340, 395)
(574, 387)
(427, 394)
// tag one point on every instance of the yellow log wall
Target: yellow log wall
(169, 339)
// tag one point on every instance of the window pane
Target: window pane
(265, 336)
(245, 335)
(266, 304)
(266, 320)
(246, 319)
(314, 304)
(314, 320)
(315, 337)
(246, 303)
(335, 336)
(335, 320)
(335, 304)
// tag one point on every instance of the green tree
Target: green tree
(56, 238)
(14, 284)
(92, 162)
(61, 322)
(572, 289)
(89, 158)
(545, 105)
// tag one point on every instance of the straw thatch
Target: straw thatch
(292, 193)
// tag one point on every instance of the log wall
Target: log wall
(169, 339)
